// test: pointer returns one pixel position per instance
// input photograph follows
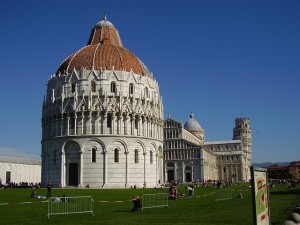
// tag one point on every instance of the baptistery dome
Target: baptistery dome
(102, 119)
(104, 51)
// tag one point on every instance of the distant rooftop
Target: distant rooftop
(5, 159)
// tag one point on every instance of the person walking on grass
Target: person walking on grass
(49, 188)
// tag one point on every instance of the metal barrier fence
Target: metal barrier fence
(70, 205)
(154, 200)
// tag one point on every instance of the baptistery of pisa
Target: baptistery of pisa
(102, 120)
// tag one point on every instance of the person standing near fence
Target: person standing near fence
(49, 188)
(136, 203)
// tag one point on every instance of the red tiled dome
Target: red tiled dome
(103, 52)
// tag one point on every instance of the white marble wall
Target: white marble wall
(20, 172)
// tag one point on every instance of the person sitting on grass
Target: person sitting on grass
(33, 194)
(136, 203)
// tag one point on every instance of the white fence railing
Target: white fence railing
(154, 200)
(70, 205)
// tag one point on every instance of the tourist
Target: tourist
(49, 188)
(136, 203)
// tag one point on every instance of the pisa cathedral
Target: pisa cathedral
(103, 125)
(188, 157)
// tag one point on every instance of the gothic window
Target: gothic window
(72, 123)
(93, 86)
(146, 92)
(93, 154)
(136, 156)
(224, 169)
(131, 88)
(151, 157)
(136, 122)
(116, 154)
(73, 87)
(113, 87)
(109, 120)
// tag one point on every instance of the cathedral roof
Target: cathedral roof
(192, 124)
(104, 51)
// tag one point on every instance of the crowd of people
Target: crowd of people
(290, 182)
(20, 185)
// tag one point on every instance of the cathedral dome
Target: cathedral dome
(192, 124)
(104, 51)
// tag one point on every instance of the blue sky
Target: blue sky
(217, 59)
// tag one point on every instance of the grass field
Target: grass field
(113, 206)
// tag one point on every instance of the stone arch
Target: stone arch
(72, 163)
(96, 142)
(93, 169)
(188, 173)
(170, 166)
(137, 144)
(152, 147)
(120, 144)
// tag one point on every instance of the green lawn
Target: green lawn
(201, 209)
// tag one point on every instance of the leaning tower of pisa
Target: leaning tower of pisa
(243, 132)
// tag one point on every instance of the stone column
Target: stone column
(145, 170)
(175, 171)
(82, 122)
(139, 126)
(90, 122)
(63, 169)
(61, 124)
(126, 169)
(75, 124)
(81, 170)
(104, 168)
(68, 125)
(119, 122)
(147, 127)
(161, 171)
(126, 122)
(165, 173)
(104, 124)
